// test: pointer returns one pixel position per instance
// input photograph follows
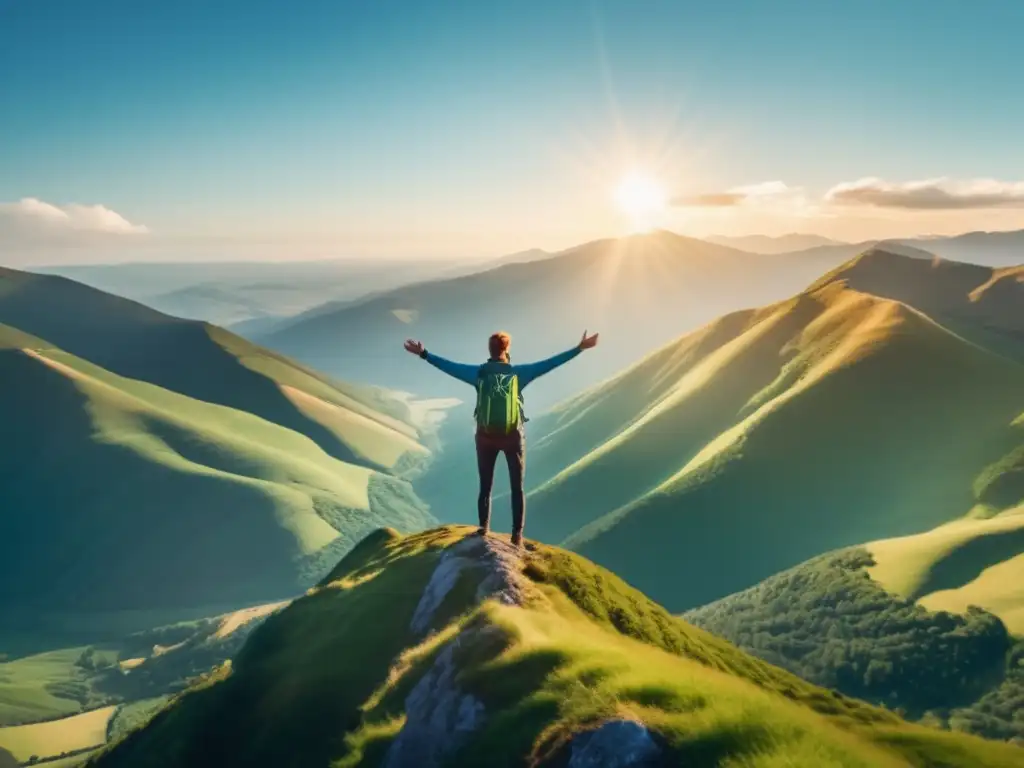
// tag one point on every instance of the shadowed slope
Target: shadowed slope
(347, 676)
(197, 360)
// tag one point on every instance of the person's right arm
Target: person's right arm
(460, 371)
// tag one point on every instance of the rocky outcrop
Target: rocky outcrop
(439, 716)
(497, 563)
(615, 744)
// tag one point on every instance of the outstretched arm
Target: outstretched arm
(460, 371)
(531, 371)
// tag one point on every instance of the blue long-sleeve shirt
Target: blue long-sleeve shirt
(526, 373)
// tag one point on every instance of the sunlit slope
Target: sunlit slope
(829, 420)
(438, 649)
(966, 562)
(355, 424)
(982, 303)
(639, 292)
(118, 494)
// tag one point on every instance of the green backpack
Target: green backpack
(497, 398)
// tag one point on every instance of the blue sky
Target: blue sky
(473, 128)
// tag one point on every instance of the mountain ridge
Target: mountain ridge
(539, 658)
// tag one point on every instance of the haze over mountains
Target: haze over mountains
(639, 291)
(246, 293)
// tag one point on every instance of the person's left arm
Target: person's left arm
(532, 371)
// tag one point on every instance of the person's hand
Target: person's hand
(588, 342)
(414, 347)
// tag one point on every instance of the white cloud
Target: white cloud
(31, 222)
(766, 193)
(929, 194)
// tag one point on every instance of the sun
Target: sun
(641, 198)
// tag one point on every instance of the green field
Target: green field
(332, 679)
(51, 739)
(40, 687)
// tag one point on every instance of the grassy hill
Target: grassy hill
(830, 621)
(770, 436)
(969, 562)
(639, 292)
(980, 303)
(121, 495)
(437, 649)
(356, 424)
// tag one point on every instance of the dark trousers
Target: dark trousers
(488, 446)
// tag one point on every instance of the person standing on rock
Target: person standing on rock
(499, 419)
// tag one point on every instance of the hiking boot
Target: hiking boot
(517, 541)
(480, 532)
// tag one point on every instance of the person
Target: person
(499, 418)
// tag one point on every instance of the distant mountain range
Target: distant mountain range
(778, 244)
(639, 292)
(231, 293)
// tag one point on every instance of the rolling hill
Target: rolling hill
(155, 468)
(442, 649)
(639, 292)
(981, 303)
(770, 436)
(122, 496)
(356, 424)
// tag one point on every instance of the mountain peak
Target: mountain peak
(443, 648)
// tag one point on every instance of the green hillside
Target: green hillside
(971, 562)
(356, 424)
(122, 496)
(771, 436)
(438, 649)
(981, 303)
(832, 623)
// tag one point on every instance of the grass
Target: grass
(325, 681)
(31, 687)
(71, 734)
(963, 563)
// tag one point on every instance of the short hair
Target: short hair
(498, 344)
